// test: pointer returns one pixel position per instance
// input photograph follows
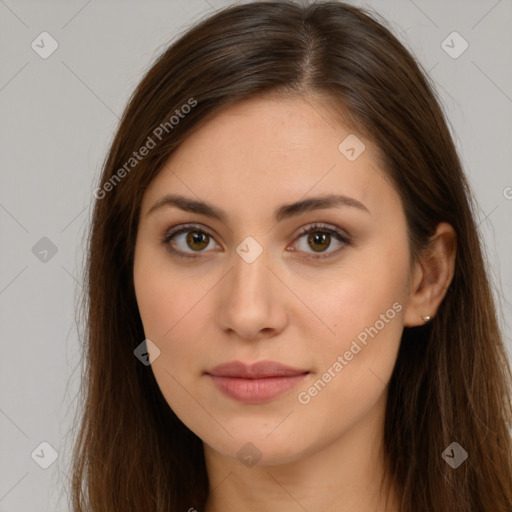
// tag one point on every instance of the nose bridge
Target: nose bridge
(250, 274)
(250, 303)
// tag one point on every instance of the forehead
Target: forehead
(272, 150)
(268, 129)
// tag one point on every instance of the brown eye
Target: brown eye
(319, 241)
(197, 240)
(188, 241)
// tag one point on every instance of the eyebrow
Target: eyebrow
(283, 212)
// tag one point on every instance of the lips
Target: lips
(255, 383)
(259, 370)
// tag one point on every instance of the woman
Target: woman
(288, 306)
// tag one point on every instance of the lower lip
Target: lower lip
(255, 391)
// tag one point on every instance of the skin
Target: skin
(248, 160)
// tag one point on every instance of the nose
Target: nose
(252, 300)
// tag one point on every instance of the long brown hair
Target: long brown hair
(452, 380)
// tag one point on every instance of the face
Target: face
(319, 290)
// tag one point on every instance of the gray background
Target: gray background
(57, 118)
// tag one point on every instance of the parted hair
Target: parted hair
(452, 379)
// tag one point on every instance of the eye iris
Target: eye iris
(318, 238)
(195, 237)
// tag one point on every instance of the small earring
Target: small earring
(425, 318)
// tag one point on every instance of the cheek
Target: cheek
(353, 365)
(354, 298)
(363, 306)
(365, 325)
(172, 315)
(165, 298)
(174, 308)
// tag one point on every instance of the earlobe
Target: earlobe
(433, 274)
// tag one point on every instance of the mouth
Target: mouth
(255, 383)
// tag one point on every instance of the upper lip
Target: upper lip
(258, 370)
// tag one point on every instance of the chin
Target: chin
(260, 450)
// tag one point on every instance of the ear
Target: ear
(431, 277)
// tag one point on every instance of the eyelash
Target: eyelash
(186, 228)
